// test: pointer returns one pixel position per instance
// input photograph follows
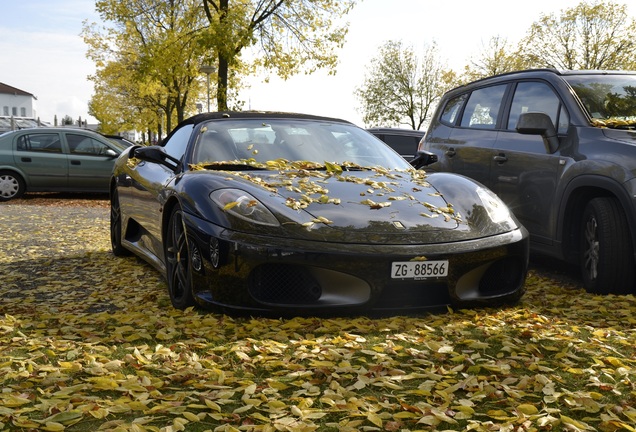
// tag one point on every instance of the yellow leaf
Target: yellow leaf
(15, 401)
(405, 415)
(53, 426)
(375, 419)
(230, 205)
(577, 424)
(527, 409)
(65, 417)
(190, 416)
(99, 413)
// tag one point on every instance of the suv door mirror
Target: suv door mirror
(538, 123)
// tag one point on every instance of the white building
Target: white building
(17, 108)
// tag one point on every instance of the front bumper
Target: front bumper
(246, 272)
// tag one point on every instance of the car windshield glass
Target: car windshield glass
(295, 140)
(609, 99)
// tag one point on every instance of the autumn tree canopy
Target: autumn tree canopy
(149, 53)
(592, 35)
(401, 88)
(286, 37)
(147, 61)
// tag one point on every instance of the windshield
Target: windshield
(609, 99)
(249, 141)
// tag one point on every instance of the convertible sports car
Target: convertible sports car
(294, 214)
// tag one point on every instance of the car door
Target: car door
(142, 194)
(468, 148)
(41, 157)
(523, 173)
(90, 162)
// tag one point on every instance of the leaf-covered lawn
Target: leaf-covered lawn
(89, 341)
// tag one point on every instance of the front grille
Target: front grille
(502, 277)
(283, 284)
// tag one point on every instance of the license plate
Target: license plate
(419, 269)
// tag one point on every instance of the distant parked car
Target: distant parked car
(403, 141)
(559, 148)
(121, 140)
(48, 159)
(297, 214)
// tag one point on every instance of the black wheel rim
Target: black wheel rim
(115, 221)
(178, 258)
(591, 245)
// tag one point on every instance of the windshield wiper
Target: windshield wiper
(228, 166)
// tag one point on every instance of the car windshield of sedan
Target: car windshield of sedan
(255, 141)
(609, 99)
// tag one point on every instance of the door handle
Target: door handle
(500, 158)
(76, 162)
(25, 159)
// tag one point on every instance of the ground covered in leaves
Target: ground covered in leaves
(89, 341)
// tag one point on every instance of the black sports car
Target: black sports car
(295, 214)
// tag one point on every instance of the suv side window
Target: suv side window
(483, 107)
(452, 108)
(537, 97)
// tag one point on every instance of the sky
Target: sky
(43, 53)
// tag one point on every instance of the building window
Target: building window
(22, 112)
(5, 111)
(14, 111)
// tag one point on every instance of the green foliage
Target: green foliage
(592, 35)
(147, 62)
(496, 58)
(284, 36)
(401, 88)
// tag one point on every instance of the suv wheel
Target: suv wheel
(606, 248)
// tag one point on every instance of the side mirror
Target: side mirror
(155, 154)
(538, 123)
(111, 153)
(423, 158)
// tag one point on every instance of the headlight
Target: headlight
(244, 206)
(497, 210)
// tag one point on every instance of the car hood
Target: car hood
(368, 201)
(365, 206)
(627, 136)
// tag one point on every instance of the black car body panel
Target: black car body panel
(547, 176)
(312, 236)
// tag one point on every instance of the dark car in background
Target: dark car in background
(559, 148)
(403, 141)
(51, 159)
(294, 214)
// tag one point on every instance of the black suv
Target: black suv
(559, 147)
(403, 141)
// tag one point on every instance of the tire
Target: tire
(178, 262)
(116, 226)
(11, 185)
(607, 259)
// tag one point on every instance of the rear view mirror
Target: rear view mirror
(538, 123)
(155, 154)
